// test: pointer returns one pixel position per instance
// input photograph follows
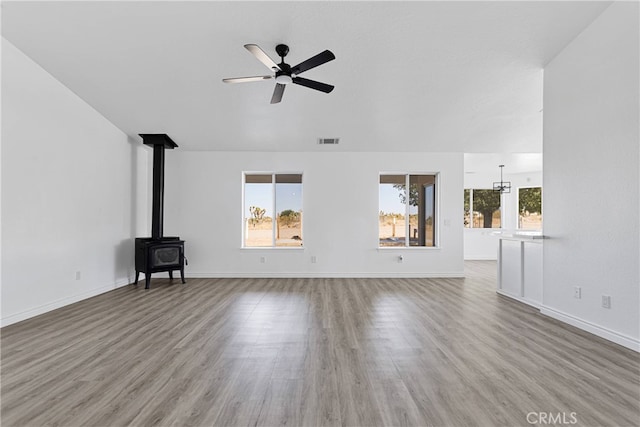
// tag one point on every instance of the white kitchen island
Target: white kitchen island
(520, 266)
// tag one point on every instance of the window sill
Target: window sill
(271, 248)
(483, 229)
(411, 248)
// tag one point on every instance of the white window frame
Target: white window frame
(518, 206)
(436, 212)
(471, 210)
(273, 209)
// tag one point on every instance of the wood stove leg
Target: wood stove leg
(137, 274)
(147, 277)
(182, 275)
(171, 274)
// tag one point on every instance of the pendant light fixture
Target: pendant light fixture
(502, 186)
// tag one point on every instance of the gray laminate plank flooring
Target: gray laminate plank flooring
(312, 352)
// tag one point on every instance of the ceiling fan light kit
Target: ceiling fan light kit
(284, 79)
(285, 74)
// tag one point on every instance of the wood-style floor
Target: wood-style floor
(312, 352)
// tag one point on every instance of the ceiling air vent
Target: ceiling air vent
(328, 141)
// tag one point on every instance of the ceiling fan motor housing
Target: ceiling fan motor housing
(284, 74)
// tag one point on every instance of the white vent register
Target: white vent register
(328, 141)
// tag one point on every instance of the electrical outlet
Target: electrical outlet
(313, 260)
(577, 292)
(263, 260)
(78, 275)
(606, 301)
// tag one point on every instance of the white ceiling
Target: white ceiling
(409, 76)
(488, 163)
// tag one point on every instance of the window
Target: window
(530, 208)
(265, 194)
(481, 209)
(407, 220)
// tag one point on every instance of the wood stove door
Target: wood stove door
(166, 256)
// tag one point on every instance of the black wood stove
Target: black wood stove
(158, 253)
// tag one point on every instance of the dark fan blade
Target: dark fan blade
(246, 79)
(277, 93)
(322, 87)
(313, 62)
(262, 57)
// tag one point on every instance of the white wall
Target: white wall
(481, 243)
(203, 205)
(591, 180)
(70, 202)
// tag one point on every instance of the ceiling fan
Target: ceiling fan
(284, 73)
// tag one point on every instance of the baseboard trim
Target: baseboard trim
(481, 258)
(532, 303)
(602, 332)
(45, 308)
(313, 274)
